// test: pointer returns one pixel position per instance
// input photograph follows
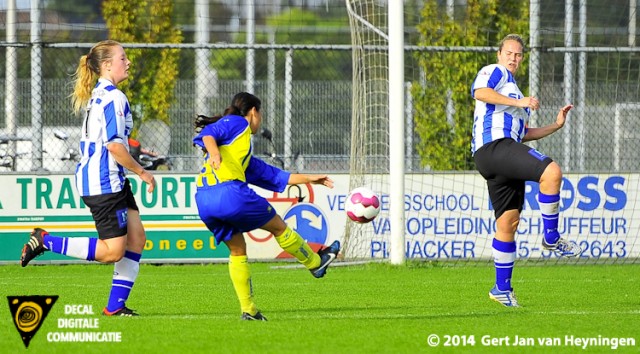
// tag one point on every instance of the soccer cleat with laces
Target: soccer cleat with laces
(563, 248)
(257, 317)
(34, 247)
(327, 255)
(506, 297)
(124, 312)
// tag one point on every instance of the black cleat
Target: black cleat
(34, 247)
(124, 312)
(327, 255)
(257, 317)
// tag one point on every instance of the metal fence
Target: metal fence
(306, 93)
(309, 119)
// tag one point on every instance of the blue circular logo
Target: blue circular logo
(309, 221)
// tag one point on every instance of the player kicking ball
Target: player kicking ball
(229, 207)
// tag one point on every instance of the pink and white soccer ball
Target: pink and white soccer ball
(363, 205)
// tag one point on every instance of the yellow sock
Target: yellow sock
(241, 279)
(295, 245)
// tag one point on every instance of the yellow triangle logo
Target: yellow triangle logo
(28, 313)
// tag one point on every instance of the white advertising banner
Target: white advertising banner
(447, 216)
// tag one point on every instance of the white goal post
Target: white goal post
(378, 116)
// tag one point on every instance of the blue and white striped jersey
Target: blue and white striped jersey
(493, 122)
(108, 120)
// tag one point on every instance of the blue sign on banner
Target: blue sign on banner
(309, 221)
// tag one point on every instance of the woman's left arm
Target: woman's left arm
(539, 133)
(298, 178)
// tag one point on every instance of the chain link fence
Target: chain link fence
(306, 92)
(308, 120)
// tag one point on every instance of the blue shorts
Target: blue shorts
(232, 207)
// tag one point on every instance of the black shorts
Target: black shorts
(506, 165)
(109, 211)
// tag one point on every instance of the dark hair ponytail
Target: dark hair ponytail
(241, 104)
(202, 121)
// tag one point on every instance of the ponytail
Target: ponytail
(88, 71)
(202, 121)
(84, 80)
(241, 104)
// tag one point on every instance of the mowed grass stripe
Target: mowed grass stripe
(364, 308)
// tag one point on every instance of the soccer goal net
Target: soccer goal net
(447, 212)
(369, 160)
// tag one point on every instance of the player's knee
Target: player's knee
(509, 227)
(117, 257)
(552, 173)
(514, 225)
(140, 241)
(508, 222)
(111, 257)
(136, 241)
(112, 254)
(276, 226)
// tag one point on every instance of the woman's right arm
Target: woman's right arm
(212, 149)
(122, 156)
(489, 95)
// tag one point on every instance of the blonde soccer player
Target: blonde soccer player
(500, 127)
(101, 176)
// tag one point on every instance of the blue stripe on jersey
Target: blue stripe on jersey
(85, 169)
(105, 181)
(473, 141)
(111, 121)
(473, 88)
(486, 124)
(520, 130)
(109, 88)
(85, 179)
(495, 78)
(508, 124)
(121, 175)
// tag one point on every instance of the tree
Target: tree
(286, 26)
(76, 11)
(445, 145)
(153, 72)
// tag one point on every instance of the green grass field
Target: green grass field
(370, 308)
